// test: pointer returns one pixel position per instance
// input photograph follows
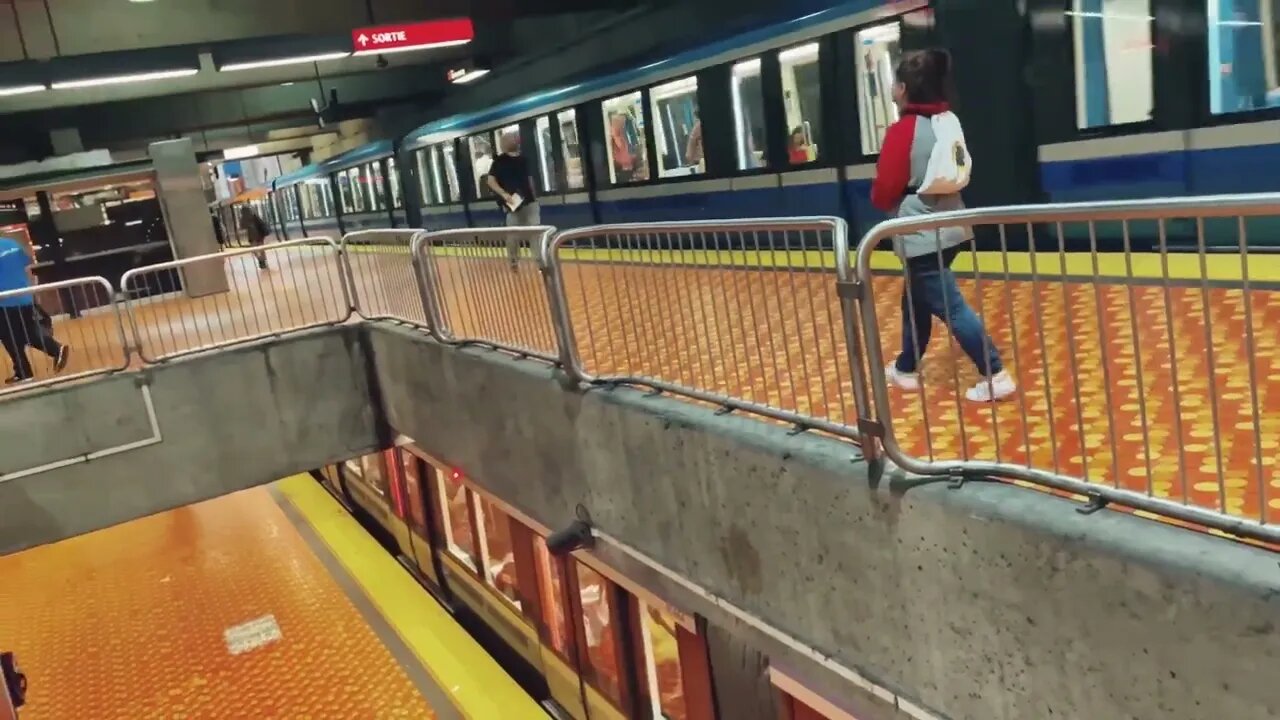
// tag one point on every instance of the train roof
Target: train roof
(765, 38)
(356, 156)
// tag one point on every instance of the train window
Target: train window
(481, 149)
(413, 488)
(449, 161)
(677, 128)
(878, 50)
(372, 174)
(551, 594)
(597, 619)
(429, 180)
(358, 183)
(802, 100)
(459, 531)
(373, 472)
(570, 150)
(1243, 72)
(393, 178)
(624, 130)
(662, 663)
(326, 189)
(546, 153)
(1112, 40)
(499, 552)
(344, 192)
(748, 114)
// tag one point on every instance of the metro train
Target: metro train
(1063, 101)
(584, 640)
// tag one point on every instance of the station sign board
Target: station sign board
(412, 36)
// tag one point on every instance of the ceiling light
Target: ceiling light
(467, 76)
(424, 46)
(21, 90)
(277, 62)
(121, 79)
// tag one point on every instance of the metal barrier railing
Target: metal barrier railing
(484, 285)
(185, 306)
(54, 332)
(1143, 373)
(381, 274)
(740, 313)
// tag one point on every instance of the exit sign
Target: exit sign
(412, 36)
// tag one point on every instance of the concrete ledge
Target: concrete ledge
(990, 601)
(229, 420)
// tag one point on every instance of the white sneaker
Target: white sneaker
(992, 389)
(904, 381)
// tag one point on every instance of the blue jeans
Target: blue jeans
(928, 291)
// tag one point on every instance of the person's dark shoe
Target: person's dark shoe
(60, 362)
(14, 380)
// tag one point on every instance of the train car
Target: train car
(357, 190)
(585, 640)
(1077, 101)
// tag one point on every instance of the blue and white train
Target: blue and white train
(1062, 101)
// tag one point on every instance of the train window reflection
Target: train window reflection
(546, 154)
(499, 555)
(625, 139)
(449, 161)
(459, 532)
(428, 176)
(357, 190)
(344, 192)
(551, 596)
(662, 659)
(1112, 42)
(677, 127)
(802, 100)
(374, 475)
(597, 620)
(570, 150)
(413, 487)
(374, 184)
(393, 179)
(878, 50)
(748, 114)
(481, 148)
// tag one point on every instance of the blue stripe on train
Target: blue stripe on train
(1167, 174)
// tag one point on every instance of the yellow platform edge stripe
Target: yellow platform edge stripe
(474, 682)
(991, 265)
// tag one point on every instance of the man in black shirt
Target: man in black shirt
(512, 187)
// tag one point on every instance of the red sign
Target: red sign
(412, 36)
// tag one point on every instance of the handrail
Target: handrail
(858, 272)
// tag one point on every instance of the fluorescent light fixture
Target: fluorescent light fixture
(133, 222)
(676, 87)
(279, 62)
(747, 67)
(21, 90)
(239, 153)
(411, 48)
(469, 76)
(122, 79)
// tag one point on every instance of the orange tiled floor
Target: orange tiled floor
(128, 623)
(776, 337)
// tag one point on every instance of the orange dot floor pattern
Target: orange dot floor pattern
(128, 623)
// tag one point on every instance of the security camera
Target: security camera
(382, 62)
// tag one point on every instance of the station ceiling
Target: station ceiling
(43, 42)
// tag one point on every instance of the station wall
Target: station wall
(986, 602)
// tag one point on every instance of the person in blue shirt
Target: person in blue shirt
(20, 325)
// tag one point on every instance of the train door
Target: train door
(559, 645)
(413, 478)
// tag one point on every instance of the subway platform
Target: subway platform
(269, 603)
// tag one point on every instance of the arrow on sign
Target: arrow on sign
(363, 39)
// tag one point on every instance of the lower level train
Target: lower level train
(582, 638)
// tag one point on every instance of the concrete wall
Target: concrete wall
(229, 421)
(987, 602)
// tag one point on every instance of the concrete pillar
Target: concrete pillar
(186, 214)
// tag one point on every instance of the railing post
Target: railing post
(553, 278)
